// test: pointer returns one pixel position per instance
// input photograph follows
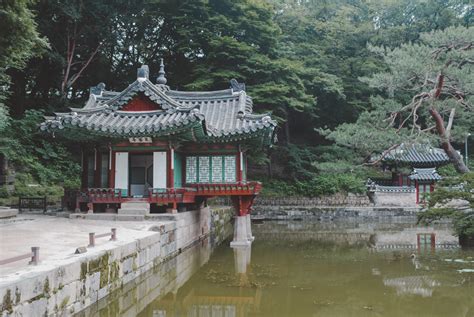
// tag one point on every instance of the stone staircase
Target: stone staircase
(134, 208)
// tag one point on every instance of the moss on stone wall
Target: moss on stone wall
(7, 303)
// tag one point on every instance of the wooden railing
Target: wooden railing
(174, 195)
(168, 195)
(106, 195)
(227, 189)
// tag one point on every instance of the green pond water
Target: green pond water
(309, 269)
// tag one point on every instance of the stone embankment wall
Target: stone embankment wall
(395, 199)
(333, 200)
(134, 298)
(82, 280)
(276, 212)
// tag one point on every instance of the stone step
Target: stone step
(134, 208)
(142, 211)
(8, 213)
(135, 205)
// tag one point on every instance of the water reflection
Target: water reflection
(312, 269)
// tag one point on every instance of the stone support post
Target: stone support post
(248, 221)
(242, 259)
(240, 232)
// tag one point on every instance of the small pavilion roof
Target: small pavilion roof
(425, 174)
(417, 155)
(209, 116)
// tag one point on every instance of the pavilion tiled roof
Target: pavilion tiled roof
(417, 155)
(425, 174)
(212, 116)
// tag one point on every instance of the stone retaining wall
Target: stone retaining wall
(329, 212)
(82, 280)
(333, 200)
(134, 298)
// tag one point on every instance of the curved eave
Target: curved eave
(74, 132)
(263, 136)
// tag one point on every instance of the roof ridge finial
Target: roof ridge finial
(161, 80)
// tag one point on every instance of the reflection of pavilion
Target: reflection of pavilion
(197, 302)
(412, 285)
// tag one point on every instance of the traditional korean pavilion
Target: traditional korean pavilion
(422, 160)
(164, 148)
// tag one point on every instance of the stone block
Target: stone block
(8, 213)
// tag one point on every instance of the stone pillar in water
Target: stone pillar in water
(242, 259)
(240, 232)
(242, 225)
(250, 237)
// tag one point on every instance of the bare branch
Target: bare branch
(384, 154)
(450, 123)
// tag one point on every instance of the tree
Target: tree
(19, 41)
(427, 86)
(454, 200)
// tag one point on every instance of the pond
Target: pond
(310, 269)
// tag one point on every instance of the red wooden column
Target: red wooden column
(242, 204)
(170, 168)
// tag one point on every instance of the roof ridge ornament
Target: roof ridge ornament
(143, 73)
(236, 86)
(97, 90)
(161, 80)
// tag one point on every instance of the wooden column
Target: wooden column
(242, 204)
(170, 168)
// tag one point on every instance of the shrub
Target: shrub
(320, 185)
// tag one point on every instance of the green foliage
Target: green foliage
(320, 185)
(449, 191)
(4, 117)
(37, 159)
(395, 117)
(18, 38)
(301, 60)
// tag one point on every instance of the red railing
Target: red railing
(227, 189)
(103, 195)
(170, 195)
(174, 195)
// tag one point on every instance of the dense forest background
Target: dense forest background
(329, 71)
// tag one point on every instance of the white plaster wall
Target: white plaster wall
(395, 199)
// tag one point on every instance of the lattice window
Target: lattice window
(217, 170)
(204, 169)
(191, 169)
(229, 169)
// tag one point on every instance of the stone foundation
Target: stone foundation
(395, 199)
(331, 213)
(83, 279)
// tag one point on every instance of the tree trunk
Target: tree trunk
(453, 155)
